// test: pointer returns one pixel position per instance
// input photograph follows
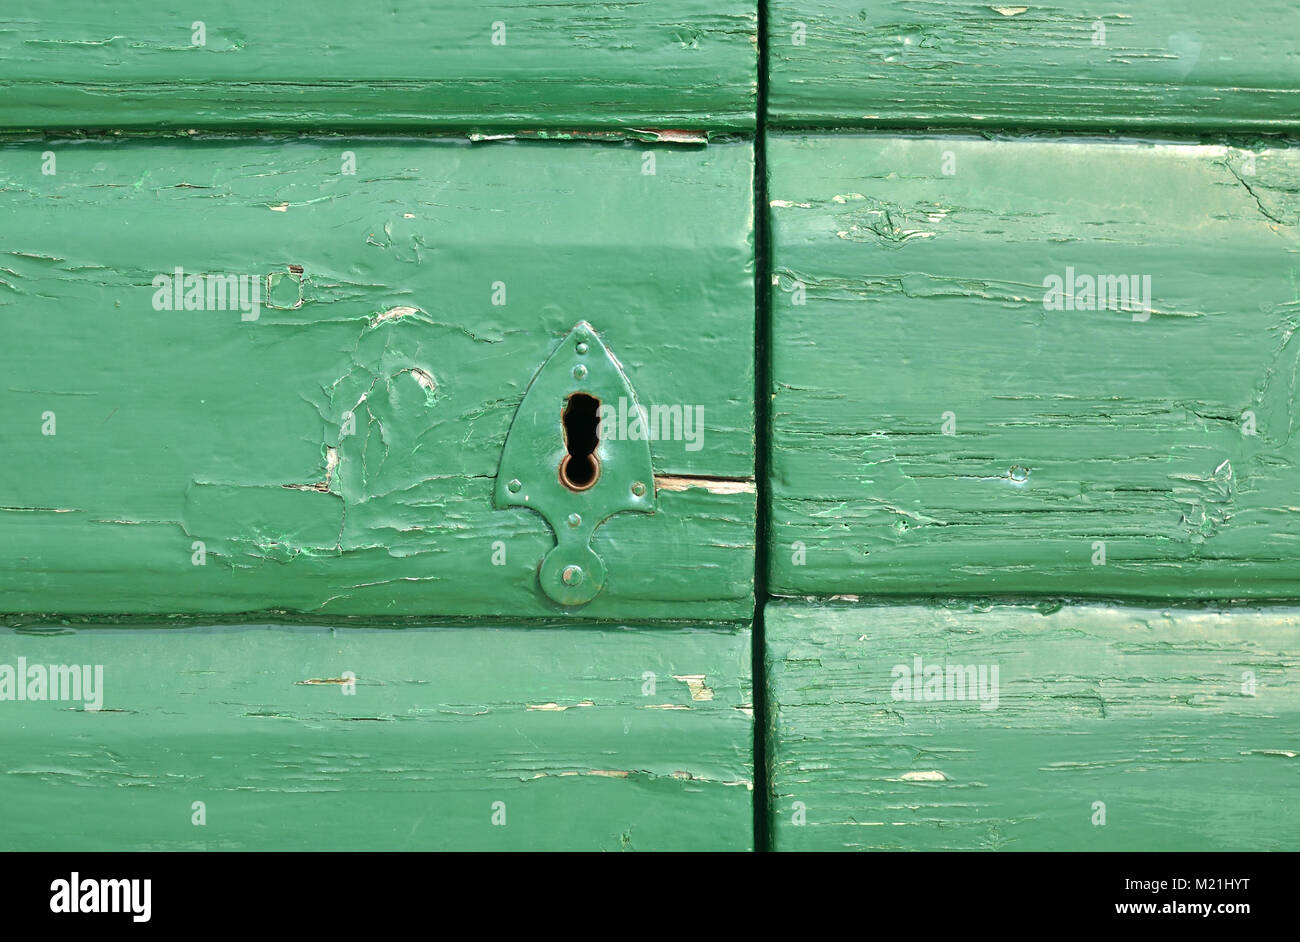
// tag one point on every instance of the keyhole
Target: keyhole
(580, 468)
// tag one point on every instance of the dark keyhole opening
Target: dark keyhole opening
(580, 467)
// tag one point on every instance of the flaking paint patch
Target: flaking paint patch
(557, 708)
(324, 486)
(695, 684)
(423, 377)
(342, 681)
(393, 312)
(667, 482)
(928, 776)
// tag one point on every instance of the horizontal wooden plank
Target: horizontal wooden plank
(1102, 728)
(307, 738)
(928, 63)
(944, 421)
(336, 451)
(337, 64)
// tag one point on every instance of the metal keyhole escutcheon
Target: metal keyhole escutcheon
(560, 460)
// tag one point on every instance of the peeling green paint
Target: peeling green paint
(325, 443)
(1112, 728)
(338, 64)
(335, 451)
(310, 738)
(939, 427)
(933, 63)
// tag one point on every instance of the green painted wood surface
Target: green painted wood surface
(557, 723)
(1073, 431)
(1157, 63)
(1143, 710)
(173, 427)
(335, 64)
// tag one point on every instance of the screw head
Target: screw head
(638, 489)
(575, 520)
(582, 347)
(579, 371)
(514, 486)
(572, 575)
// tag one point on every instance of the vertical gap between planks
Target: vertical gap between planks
(762, 440)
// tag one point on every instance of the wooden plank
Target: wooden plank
(441, 724)
(338, 64)
(337, 453)
(1099, 451)
(1180, 723)
(929, 63)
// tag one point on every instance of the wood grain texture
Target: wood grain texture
(338, 64)
(925, 313)
(917, 63)
(444, 722)
(177, 426)
(1142, 710)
